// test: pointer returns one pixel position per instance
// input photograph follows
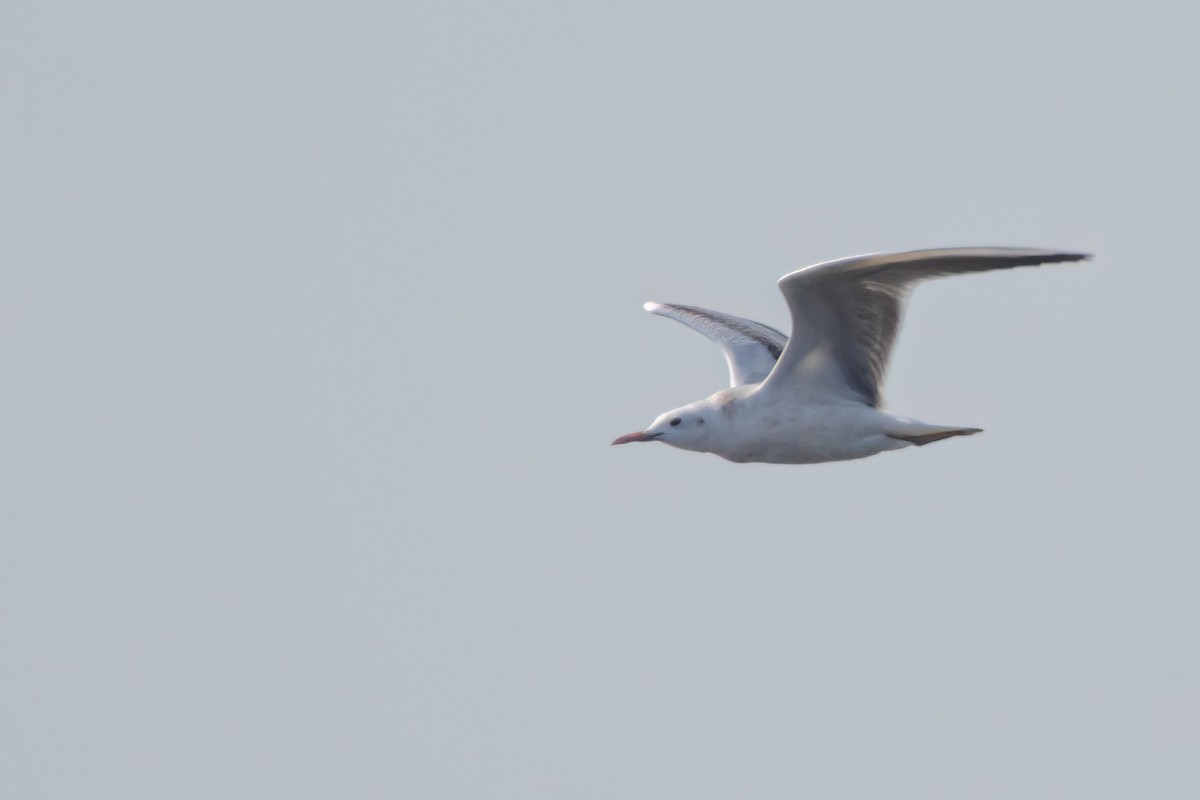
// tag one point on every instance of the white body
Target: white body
(742, 424)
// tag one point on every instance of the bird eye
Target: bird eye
(676, 421)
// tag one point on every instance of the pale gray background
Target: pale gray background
(318, 320)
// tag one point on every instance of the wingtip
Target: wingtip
(652, 306)
(1070, 257)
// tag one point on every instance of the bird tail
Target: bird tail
(920, 433)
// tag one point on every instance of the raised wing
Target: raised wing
(845, 314)
(751, 348)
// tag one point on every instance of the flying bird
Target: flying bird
(815, 396)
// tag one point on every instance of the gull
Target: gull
(814, 396)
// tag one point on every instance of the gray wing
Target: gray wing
(751, 348)
(845, 314)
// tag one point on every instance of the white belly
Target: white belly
(807, 434)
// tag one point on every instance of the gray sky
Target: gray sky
(318, 321)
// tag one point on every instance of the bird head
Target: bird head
(688, 428)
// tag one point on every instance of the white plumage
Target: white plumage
(815, 395)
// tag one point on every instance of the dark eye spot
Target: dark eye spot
(675, 422)
(700, 422)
